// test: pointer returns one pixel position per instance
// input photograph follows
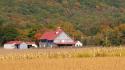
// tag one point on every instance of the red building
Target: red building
(55, 38)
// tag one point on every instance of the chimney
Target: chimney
(58, 30)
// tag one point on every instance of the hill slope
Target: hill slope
(91, 21)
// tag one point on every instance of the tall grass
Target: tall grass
(64, 53)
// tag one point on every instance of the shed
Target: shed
(23, 46)
(12, 44)
(78, 44)
(31, 44)
(9, 46)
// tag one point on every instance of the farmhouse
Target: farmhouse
(19, 45)
(55, 38)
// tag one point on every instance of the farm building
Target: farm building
(31, 44)
(19, 45)
(78, 44)
(23, 45)
(12, 44)
(55, 38)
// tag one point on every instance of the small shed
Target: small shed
(78, 44)
(31, 44)
(9, 46)
(23, 46)
(12, 44)
(19, 45)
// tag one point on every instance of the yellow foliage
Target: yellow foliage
(121, 27)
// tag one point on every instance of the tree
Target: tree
(8, 33)
(70, 29)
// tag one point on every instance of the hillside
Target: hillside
(94, 22)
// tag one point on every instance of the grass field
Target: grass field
(63, 59)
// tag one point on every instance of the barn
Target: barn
(55, 38)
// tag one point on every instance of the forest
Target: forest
(93, 22)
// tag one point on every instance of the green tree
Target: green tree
(7, 33)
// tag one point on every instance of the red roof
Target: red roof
(51, 35)
(19, 42)
(14, 42)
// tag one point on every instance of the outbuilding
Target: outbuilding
(12, 44)
(19, 45)
(23, 46)
(31, 45)
(78, 44)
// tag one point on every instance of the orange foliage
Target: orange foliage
(38, 35)
(122, 27)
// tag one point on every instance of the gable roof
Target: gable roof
(19, 42)
(14, 42)
(51, 35)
